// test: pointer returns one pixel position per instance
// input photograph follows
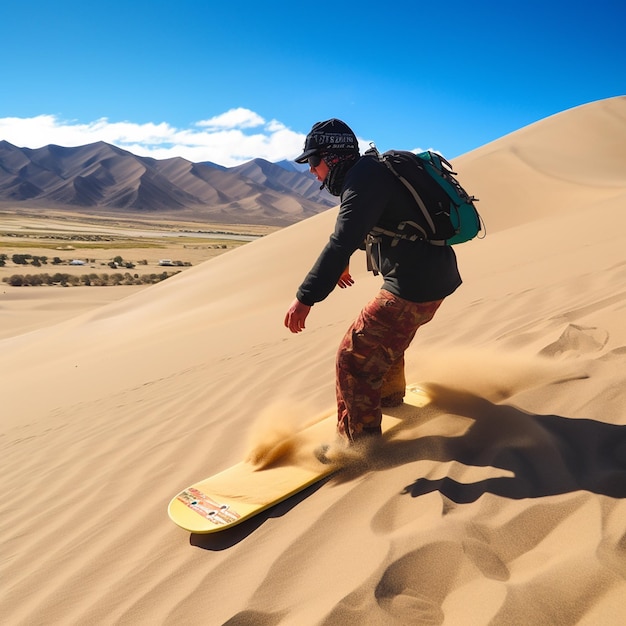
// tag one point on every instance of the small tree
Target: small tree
(33, 279)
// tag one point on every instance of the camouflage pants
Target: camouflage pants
(370, 360)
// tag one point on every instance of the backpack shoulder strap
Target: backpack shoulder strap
(420, 203)
(386, 158)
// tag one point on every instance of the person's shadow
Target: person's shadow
(544, 454)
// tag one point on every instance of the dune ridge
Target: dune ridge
(502, 502)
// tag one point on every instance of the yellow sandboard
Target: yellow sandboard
(244, 490)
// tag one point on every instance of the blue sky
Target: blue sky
(228, 82)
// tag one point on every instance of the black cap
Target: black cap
(332, 136)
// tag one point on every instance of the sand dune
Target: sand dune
(503, 502)
(563, 163)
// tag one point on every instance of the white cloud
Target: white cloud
(275, 126)
(231, 138)
(235, 118)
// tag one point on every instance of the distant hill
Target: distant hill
(100, 177)
(292, 166)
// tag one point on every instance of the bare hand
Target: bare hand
(296, 315)
(345, 280)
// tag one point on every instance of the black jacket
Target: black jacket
(414, 270)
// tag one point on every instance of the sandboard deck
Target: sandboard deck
(243, 490)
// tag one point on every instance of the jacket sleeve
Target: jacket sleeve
(363, 201)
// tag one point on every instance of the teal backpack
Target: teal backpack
(445, 213)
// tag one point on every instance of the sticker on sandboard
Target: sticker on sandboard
(215, 512)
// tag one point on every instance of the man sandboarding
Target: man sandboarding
(417, 276)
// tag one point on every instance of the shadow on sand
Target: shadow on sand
(546, 454)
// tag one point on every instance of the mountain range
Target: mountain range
(103, 178)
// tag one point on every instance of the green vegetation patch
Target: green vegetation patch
(89, 280)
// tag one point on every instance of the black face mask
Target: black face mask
(337, 174)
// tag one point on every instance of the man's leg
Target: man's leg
(394, 384)
(374, 343)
